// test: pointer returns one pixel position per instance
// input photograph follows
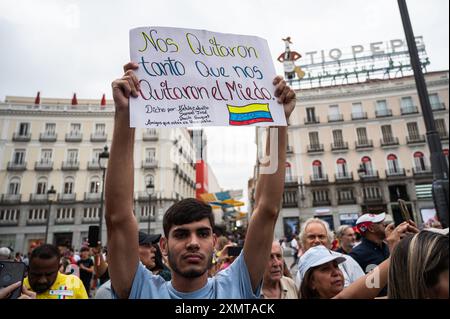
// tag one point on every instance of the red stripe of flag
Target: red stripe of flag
(239, 123)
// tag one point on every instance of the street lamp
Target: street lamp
(102, 163)
(439, 166)
(51, 196)
(150, 188)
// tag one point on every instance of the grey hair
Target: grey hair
(341, 230)
(312, 220)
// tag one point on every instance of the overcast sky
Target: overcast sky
(60, 47)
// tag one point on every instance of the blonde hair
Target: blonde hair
(416, 263)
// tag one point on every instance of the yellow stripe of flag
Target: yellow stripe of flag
(256, 107)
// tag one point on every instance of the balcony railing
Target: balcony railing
(378, 199)
(342, 178)
(415, 139)
(70, 166)
(93, 165)
(17, 137)
(314, 148)
(359, 116)
(92, 197)
(316, 179)
(38, 198)
(48, 137)
(335, 118)
(74, 137)
(383, 113)
(438, 106)
(11, 198)
(291, 181)
(312, 120)
(339, 146)
(43, 166)
(323, 202)
(409, 110)
(346, 201)
(364, 144)
(16, 167)
(422, 171)
(67, 197)
(65, 220)
(99, 137)
(150, 163)
(372, 175)
(389, 141)
(400, 172)
(150, 135)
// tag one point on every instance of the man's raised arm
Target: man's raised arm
(122, 229)
(269, 192)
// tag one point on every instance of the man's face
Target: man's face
(190, 248)
(147, 256)
(85, 254)
(378, 229)
(348, 239)
(316, 235)
(43, 273)
(274, 269)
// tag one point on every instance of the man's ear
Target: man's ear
(214, 240)
(164, 246)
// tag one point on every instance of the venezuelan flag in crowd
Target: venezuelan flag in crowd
(249, 114)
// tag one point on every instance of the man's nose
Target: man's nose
(193, 242)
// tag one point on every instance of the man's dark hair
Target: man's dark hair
(186, 211)
(45, 251)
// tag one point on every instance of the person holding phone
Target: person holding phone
(7, 291)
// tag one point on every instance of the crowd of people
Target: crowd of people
(191, 261)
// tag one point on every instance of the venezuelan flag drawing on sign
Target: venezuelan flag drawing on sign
(249, 114)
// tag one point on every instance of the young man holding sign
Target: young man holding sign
(189, 240)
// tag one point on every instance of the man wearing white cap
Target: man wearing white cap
(373, 250)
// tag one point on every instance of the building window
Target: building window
(19, 157)
(407, 102)
(372, 192)
(317, 170)
(148, 210)
(382, 109)
(419, 161)
(94, 186)
(68, 185)
(150, 155)
(14, 186)
(435, 102)
(46, 155)
(386, 131)
(334, 113)
(75, 129)
(338, 138)
(366, 162)
(342, 170)
(9, 215)
(441, 128)
(72, 156)
(413, 130)
(50, 129)
(361, 133)
(39, 214)
(345, 194)
(65, 213)
(100, 129)
(311, 115)
(320, 196)
(91, 213)
(24, 129)
(358, 111)
(393, 165)
(41, 187)
(314, 138)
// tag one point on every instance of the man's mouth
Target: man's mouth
(193, 258)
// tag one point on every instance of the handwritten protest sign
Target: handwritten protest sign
(200, 78)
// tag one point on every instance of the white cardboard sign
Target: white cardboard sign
(201, 78)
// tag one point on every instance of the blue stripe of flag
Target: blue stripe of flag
(250, 116)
